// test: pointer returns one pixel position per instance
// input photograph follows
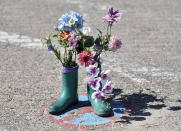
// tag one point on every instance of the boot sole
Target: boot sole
(103, 115)
(60, 112)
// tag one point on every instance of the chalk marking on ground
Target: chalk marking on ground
(21, 40)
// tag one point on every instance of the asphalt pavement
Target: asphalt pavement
(145, 72)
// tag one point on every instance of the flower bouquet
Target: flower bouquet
(78, 45)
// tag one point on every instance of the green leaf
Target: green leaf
(80, 32)
(79, 49)
(89, 41)
(99, 31)
(49, 42)
(97, 41)
(55, 35)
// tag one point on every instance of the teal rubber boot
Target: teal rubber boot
(68, 96)
(101, 107)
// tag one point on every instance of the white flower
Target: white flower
(92, 70)
(97, 95)
(104, 77)
(107, 88)
(86, 30)
(94, 83)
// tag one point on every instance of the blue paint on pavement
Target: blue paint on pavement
(83, 98)
(90, 119)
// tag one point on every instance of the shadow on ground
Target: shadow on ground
(179, 101)
(175, 108)
(137, 103)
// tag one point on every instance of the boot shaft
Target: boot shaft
(69, 80)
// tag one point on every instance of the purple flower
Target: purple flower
(73, 40)
(94, 83)
(104, 77)
(97, 95)
(92, 70)
(107, 88)
(73, 43)
(50, 47)
(114, 43)
(113, 16)
(97, 47)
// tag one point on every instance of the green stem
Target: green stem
(56, 53)
(83, 46)
(65, 56)
(107, 28)
(99, 66)
(110, 27)
(60, 57)
(100, 70)
(75, 56)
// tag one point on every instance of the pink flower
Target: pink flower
(97, 94)
(113, 16)
(104, 77)
(107, 88)
(92, 70)
(114, 43)
(94, 83)
(85, 58)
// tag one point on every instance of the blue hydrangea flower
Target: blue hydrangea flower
(78, 21)
(63, 25)
(70, 22)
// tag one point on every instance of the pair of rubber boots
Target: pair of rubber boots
(69, 97)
